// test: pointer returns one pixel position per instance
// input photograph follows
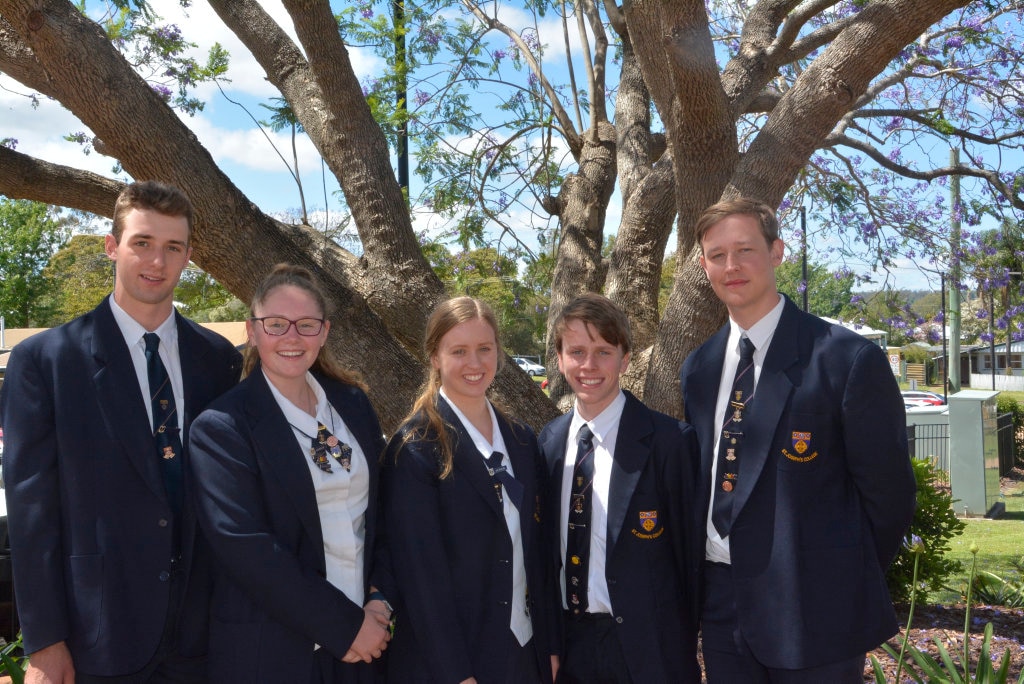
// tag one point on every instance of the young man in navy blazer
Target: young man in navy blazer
(629, 598)
(111, 579)
(806, 483)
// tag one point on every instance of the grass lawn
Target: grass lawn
(1000, 542)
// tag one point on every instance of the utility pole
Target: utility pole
(803, 240)
(401, 95)
(954, 272)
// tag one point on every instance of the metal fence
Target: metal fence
(1006, 439)
(930, 441)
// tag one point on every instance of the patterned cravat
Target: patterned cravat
(166, 431)
(577, 541)
(325, 444)
(732, 437)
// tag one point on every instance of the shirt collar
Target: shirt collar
(761, 332)
(479, 441)
(133, 331)
(603, 423)
(295, 416)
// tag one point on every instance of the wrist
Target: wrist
(378, 596)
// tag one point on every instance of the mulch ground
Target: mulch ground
(946, 623)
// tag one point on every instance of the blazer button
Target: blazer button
(162, 522)
(618, 620)
(164, 575)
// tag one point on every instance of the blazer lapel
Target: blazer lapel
(120, 398)
(705, 379)
(631, 454)
(523, 465)
(279, 453)
(770, 399)
(469, 462)
(192, 353)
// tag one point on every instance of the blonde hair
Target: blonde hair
(300, 277)
(426, 420)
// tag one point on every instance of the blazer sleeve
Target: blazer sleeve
(420, 562)
(32, 487)
(236, 521)
(877, 456)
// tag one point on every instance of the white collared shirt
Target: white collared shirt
(605, 427)
(761, 333)
(520, 623)
(341, 496)
(132, 331)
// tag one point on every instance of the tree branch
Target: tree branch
(572, 137)
(992, 177)
(25, 177)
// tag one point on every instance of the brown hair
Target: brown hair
(597, 310)
(428, 423)
(153, 196)
(743, 206)
(297, 276)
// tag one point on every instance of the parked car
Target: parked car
(530, 367)
(922, 398)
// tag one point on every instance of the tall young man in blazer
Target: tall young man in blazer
(806, 483)
(110, 577)
(629, 593)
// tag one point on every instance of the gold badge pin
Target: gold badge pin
(727, 486)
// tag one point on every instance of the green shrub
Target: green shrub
(1007, 404)
(935, 524)
(913, 353)
(992, 590)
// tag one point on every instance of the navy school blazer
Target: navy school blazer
(257, 507)
(451, 556)
(651, 570)
(88, 514)
(825, 490)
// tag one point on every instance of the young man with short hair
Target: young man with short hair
(111, 578)
(806, 487)
(621, 496)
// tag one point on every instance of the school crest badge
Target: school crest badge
(648, 520)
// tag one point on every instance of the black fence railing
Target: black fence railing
(930, 441)
(1006, 438)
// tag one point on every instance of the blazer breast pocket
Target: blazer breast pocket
(803, 442)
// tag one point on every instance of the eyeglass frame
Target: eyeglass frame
(262, 320)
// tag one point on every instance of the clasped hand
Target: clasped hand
(373, 636)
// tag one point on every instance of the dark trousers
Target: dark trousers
(329, 670)
(728, 660)
(593, 653)
(522, 665)
(167, 666)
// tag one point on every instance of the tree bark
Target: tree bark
(581, 206)
(92, 80)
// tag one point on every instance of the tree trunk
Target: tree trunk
(581, 206)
